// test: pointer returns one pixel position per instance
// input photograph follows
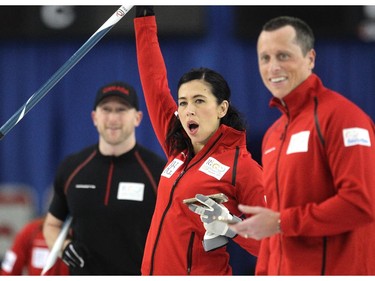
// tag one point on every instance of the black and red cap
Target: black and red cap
(118, 89)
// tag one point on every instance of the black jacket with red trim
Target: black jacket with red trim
(111, 200)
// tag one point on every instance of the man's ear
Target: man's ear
(93, 117)
(139, 118)
(311, 55)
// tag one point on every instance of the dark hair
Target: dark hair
(177, 139)
(304, 34)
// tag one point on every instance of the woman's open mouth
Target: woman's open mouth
(193, 127)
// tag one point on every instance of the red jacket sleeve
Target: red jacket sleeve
(153, 74)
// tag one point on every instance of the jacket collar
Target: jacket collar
(128, 154)
(293, 103)
(225, 137)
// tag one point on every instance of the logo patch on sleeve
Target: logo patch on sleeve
(214, 168)
(356, 136)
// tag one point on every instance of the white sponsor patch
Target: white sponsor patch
(299, 142)
(130, 191)
(172, 168)
(356, 136)
(86, 186)
(214, 168)
(9, 261)
(39, 257)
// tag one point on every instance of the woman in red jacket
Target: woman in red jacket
(204, 139)
(29, 253)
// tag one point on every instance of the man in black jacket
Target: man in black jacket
(109, 189)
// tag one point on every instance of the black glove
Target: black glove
(144, 11)
(74, 255)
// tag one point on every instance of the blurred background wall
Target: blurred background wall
(35, 41)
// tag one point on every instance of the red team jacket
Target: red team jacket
(29, 253)
(321, 153)
(174, 242)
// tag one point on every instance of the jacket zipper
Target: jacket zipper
(162, 221)
(190, 253)
(282, 138)
(170, 203)
(322, 141)
(324, 256)
(109, 182)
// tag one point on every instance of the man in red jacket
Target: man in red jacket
(318, 160)
(29, 253)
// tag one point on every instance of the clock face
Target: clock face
(57, 17)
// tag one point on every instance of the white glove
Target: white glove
(213, 241)
(214, 216)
